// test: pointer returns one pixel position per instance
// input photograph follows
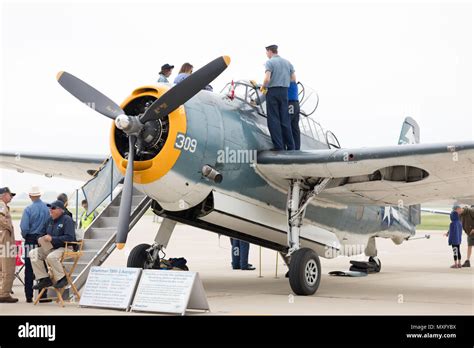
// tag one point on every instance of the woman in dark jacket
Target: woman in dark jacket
(455, 235)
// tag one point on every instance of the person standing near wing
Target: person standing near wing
(455, 235)
(184, 72)
(467, 218)
(278, 74)
(7, 241)
(165, 72)
(33, 220)
(294, 112)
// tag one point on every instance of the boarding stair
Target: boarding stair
(99, 237)
(104, 188)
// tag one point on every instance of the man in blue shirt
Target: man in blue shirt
(294, 112)
(59, 230)
(32, 223)
(278, 74)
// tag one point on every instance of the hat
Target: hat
(456, 206)
(34, 191)
(271, 47)
(6, 190)
(167, 67)
(56, 204)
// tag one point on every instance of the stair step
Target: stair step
(88, 255)
(100, 232)
(136, 200)
(111, 211)
(93, 244)
(79, 267)
(106, 221)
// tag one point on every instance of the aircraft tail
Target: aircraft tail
(410, 134)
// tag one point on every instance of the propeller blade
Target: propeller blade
(127, 194)
(89, 95)
(185, 90)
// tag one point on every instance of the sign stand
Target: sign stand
(166, 291)
(110, 287)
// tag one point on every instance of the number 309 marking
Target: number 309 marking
(185, 143)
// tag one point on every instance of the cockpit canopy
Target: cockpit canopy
(248, 92)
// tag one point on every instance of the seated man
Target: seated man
(58, 230)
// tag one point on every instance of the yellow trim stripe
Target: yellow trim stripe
(146, 172)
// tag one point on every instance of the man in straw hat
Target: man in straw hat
(33, 221)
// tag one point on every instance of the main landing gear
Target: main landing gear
(147, 256)
(305, 268)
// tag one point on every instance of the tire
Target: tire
(137, 257)
(305, 272)
(377, 262)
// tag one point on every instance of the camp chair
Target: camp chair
(73, 251)
(19, 262)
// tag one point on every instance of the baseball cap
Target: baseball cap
(6, 190)
(167, 67)
(56, 204)
(271, 47)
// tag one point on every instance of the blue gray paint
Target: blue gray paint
(217, 124)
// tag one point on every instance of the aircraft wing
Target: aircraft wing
(63, 166)
(435, 211)
(408, 174)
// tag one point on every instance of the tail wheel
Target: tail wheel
(138, 257)
(305, 272)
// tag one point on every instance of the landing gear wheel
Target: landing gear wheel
(138, 256)
(305, 272)
(377, 262)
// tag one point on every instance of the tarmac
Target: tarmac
(415, 279)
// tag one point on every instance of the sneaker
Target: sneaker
(466, 263)
(29, 300)
(8, 299)
(61, 283)
(454, 266)
(238, 267)
(248, 268)
(43, 283)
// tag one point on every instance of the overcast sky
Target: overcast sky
(372, 63)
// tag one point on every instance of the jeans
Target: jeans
(240, 254)
(294, 112)
(278, 120)
(31, 242)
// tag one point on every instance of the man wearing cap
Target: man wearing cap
(33, 221)
(7, 243)
(278, 74)
(59, 229)
(165, 72)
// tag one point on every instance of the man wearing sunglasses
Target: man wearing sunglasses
(58, 230)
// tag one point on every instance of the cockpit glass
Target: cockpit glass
(308, 98)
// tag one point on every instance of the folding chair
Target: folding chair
(69, 254)
(19, 261)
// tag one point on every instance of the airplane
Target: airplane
(205, 160)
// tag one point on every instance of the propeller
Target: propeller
(127, 194)
(133, 125)
(89, 95)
